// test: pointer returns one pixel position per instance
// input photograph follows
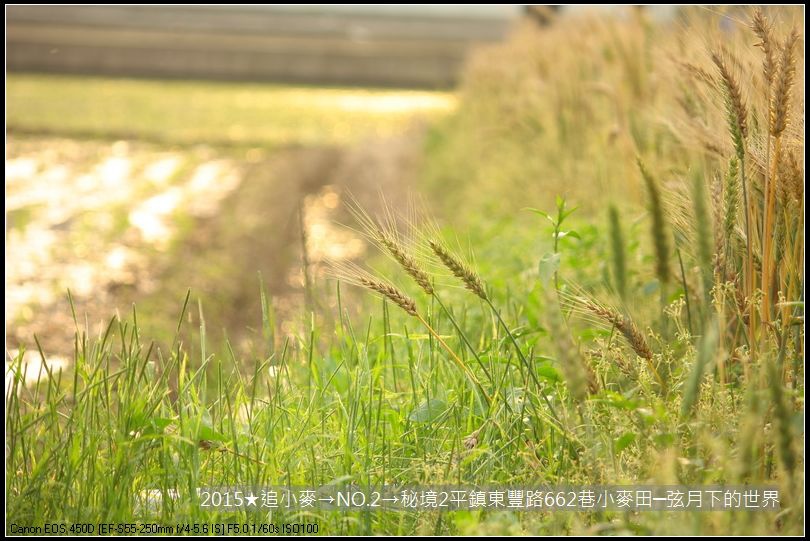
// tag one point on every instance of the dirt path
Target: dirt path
(122, 223)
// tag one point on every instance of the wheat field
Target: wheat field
(599, 281)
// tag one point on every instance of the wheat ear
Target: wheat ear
(460, 270)
(779, 109)
(389, 292)
(659, 235)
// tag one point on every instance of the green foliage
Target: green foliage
(579, 391)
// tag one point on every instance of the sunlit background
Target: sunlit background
(344, 247)
(153, 150)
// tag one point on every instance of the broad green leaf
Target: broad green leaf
(208, 433)
(625, 440)
(428, 411)
(548, 372)
(568, 213)
(573, 234)
(541, 213)
(549, 264)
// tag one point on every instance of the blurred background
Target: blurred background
(155, 149)
(412, 46)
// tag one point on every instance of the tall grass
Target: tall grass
(489, 372)
(720, 101)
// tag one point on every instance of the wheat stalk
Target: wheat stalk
(703, 233)
(406, 261)
(731, 200)
(354, 274)
(706, 351)
(460, 269)
(474, 284)
(737, 112)
(385, 234)
(588, 307)
(697, 72)
(762, 29)
(617, 250)
(779, 109)
(391, 293)
(780, 104)
(791, 178)
(624, 325)
(718, 208)
(783, 416)
(737, 120)
(659, 235)
(578, 373)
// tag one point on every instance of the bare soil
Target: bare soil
(98, 218)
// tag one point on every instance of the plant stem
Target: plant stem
(455, 358)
